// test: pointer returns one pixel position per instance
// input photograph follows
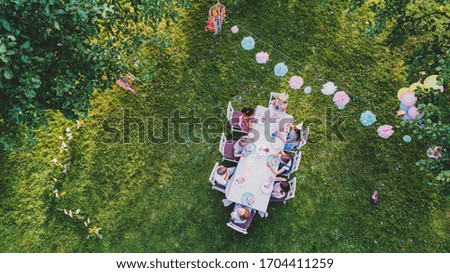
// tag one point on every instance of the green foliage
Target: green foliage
(434, 127)
(426, 25)
(54, 54)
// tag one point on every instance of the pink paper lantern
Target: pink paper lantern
(341, 98)
(408, 99)
(296, 82)
(234, 29)
(385, 131)
(434, 153)
(262, 57)
(413, 112)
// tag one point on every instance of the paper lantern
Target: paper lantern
(413, 87)
(280, 69)
(408, 99)
(248, 43)
(407, 117)
(307, 90)
(296, 82)
(413, 112)
(385, 131)
(431, 82)
(402, 91)
(329, 88)
(404, 107)
(262, 57)
(341, 98)
(407, 138)
(367, 118)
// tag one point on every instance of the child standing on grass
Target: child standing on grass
(374, 198)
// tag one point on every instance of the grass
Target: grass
(156, 197)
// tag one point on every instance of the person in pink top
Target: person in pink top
(281, 188)
(246, 119)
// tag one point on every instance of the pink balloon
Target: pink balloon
(413, 112)
(408, 99)
(407, 117)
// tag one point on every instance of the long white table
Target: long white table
(253, 167)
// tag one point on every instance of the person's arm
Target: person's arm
(275, 171)
(248, 121)
(278, 152)
(285, 107)
(279, 179)
(281, 136)
(292, 139)
(226, 175)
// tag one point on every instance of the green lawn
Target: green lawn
(150, 197)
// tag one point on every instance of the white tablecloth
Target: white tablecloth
(253, 167)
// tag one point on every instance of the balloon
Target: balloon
(404, 107)
(402, 91)
(431, 82)
(413, 112)
(407, 117)
(408, 99)
(413, 87)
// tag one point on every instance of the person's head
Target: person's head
(243, 213)
(375, 195)
(285, 158)
(243, 141)
(296, 132)
(283, 97)
(221, 170)
(248, 111)
(285, 186)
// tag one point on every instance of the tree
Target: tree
(54, 54)
(427, 25)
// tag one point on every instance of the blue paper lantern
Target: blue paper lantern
(407, 138)
(248, 43)
(367, 118)
(404, 107)
(280, 69)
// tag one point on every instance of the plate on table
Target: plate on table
(274, 114)
(263, 150)
(267, 187)
(241, 180)
(274, 161)
(247, 199)
(250, 149)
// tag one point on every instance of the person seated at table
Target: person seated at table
(280, 188)
(246, 119)
(240, 214)
(239, 146)
(223, 174)
(285, 166)
(290, 136)
(280, 103)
